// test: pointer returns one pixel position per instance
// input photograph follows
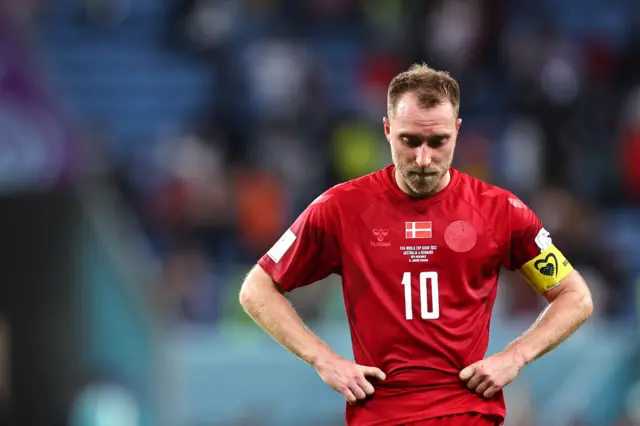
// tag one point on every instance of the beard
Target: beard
(422, 180)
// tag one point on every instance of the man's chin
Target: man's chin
(423, 188)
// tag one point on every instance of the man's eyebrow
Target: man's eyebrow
(434, 136)
(440, 136)
(411, 134)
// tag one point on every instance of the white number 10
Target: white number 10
(432, 290)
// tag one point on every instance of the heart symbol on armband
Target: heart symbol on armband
(547, 266)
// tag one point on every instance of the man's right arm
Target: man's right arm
(306, 253)
(263, 300)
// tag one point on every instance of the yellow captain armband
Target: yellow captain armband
(546, 270)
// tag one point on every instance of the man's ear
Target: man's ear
(387, 128)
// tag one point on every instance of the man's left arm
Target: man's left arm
(570, 305)
(550, 274)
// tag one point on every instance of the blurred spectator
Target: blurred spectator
(629, 153)
(376, 71)
(194, 290)
(284, 149)
(357, 148)
(453, 32)
(278, 74)
(193, 190)
(522, 150)
(206, 25)
(474, 153)
(260, 207)
(385, 19)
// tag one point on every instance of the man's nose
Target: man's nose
(423, 156)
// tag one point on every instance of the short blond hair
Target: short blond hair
(431, 86)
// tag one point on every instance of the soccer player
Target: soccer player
(419, 246)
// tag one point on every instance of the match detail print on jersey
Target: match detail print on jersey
(417, 230)
(281, 246)
(546, 270)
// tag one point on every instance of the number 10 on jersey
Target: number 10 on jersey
(428, 290)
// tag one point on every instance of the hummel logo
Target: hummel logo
(380, 234)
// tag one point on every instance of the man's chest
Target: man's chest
(413, 239)
(428, 263)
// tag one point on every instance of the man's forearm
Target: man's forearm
(273, 312)
(557, 322)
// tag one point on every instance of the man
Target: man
(419, 246)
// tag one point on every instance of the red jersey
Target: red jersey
(419, 281)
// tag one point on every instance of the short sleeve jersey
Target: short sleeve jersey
(419, 281)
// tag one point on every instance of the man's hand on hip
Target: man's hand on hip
(488, 376)
(348, 378)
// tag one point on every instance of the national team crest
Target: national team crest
(418, 230)
(460, 236)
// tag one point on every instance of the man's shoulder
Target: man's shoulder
(341, 204)
(490, 200)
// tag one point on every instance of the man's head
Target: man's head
(422, 127)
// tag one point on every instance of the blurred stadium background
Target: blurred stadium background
(152, 150)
